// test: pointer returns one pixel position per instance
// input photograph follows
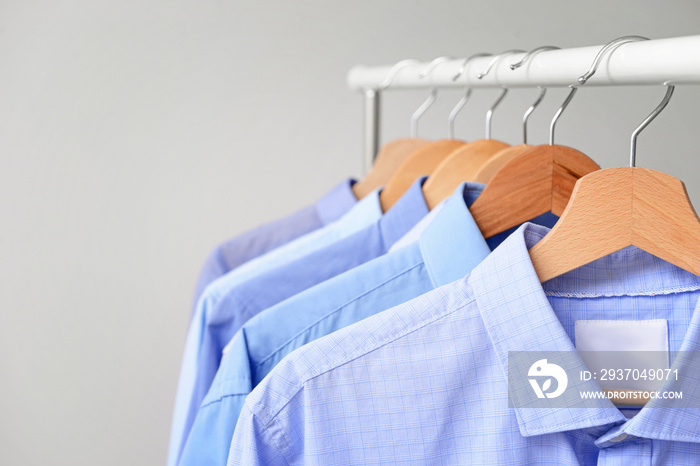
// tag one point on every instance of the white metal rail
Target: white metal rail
(651, 62)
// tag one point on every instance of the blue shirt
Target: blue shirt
(253, 243)
(447, 250)
(241, 302)
(233, 253)
(364, 213)
(426, 382)
(415, 233)
(363, 291)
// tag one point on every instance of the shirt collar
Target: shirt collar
(404, 214)
(452, 245)
(365, 212)
(518, 317)
(336, 202)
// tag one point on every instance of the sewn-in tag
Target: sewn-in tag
(624, 354)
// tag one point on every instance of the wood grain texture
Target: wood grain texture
(461, 165)
(537, 181)
(422, 161)
(499, 159)
(387, 162)
(619, 207)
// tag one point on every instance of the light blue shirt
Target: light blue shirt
(426, 382)
(447, 250)
(365, 212)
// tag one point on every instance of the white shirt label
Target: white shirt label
(624, 354)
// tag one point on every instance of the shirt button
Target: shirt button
(619, 438)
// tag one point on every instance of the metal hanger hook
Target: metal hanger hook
(609, 47)
(529, 111)
(531, 54)
(389, 80)
(491, 64)
(489, 114)
(453, 114)
(528, 56)
(553, 123)
(645, 123)
(462, 68)
(431, 96)
(433, 64)
(495, 60)
(465, 98)
(462, 102)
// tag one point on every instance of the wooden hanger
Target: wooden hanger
(537, 181)
(493, 164)
(461, 165)
(615, 208)
(424, 159)
(475, 164)
(387, 162)
(464, 163)
(620, 207)
(421, 161)
(472, 159)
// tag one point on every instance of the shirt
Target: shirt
(448, 249)
(415, 233)
(243, 301)
(364, 213)
(426, 382)
(253, 243)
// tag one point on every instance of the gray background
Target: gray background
(134, 136)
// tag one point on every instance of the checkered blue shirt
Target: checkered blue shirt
(426, 382)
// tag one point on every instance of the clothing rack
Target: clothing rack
(650, 62)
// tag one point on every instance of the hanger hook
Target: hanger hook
(609, 47)
(489, 114)
(465, 98)
(528, 56)
(553, 123)
(495, 60)
(462, 68)
(453, 114)
(645, 123)
(431, 96)
(529, 111)
(433, 64)
(389, 80)
(531, 54)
